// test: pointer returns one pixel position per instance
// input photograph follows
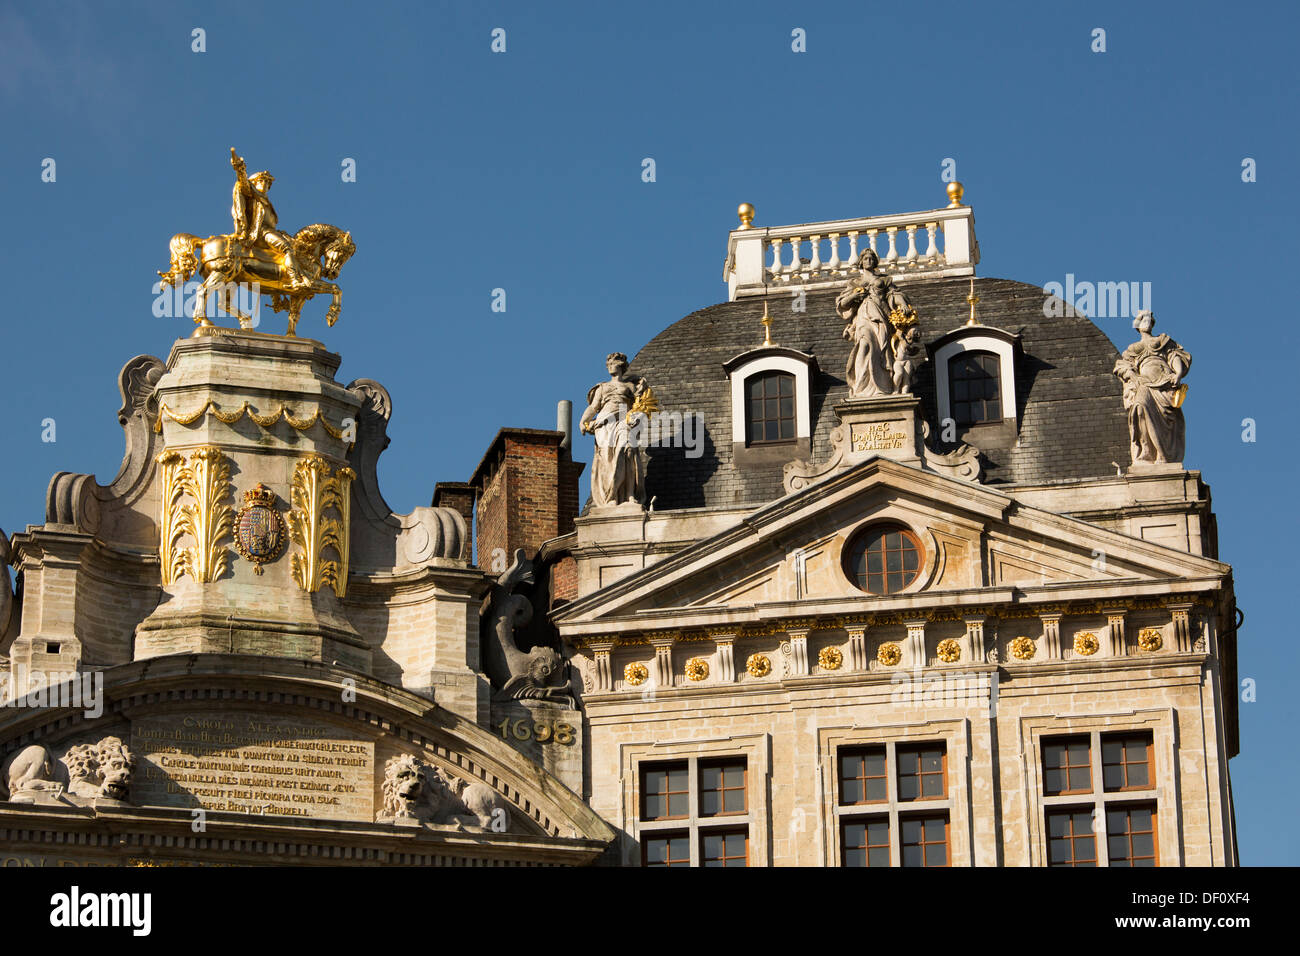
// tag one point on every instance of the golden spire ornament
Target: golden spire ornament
(767, 324)
(972, 299)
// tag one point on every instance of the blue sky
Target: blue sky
(522, 171)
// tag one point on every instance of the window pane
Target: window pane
(936, 854)
(709, 802)
(678, 806)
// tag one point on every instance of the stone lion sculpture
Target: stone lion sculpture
(413, 791)
(30, 775)
(100, 770)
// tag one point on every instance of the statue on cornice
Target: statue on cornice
(615, 414)
(1151, 370)
(875, 311)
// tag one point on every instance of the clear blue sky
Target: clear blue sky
(522, 171)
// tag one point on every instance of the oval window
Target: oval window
(883, 559)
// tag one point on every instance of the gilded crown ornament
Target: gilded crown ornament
(259, 529)
(257, 254)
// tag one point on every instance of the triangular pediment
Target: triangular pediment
(977, 545)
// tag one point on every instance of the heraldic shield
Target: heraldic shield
(259, 529)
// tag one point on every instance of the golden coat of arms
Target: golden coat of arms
(290, 268)
(259, 529)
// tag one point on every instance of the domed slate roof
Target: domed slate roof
(1070, 415)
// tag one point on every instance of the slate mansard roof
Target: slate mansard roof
(1070, 415)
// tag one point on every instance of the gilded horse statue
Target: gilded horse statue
(222, 261)
(291, 269)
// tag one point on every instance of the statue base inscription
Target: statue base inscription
(248, 762)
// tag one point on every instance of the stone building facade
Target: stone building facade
(914, 592)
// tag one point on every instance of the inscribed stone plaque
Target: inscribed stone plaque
(248, 762)
(880, 436)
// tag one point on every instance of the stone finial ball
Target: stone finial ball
(746, 213)
(955, 191)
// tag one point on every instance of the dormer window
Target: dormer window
(771, 405)
(976, 382)
(770, 397)
(975, 378)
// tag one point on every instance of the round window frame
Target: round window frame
(886, 526)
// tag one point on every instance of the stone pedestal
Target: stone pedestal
(548, 734)
(888, 426)
(237, 410)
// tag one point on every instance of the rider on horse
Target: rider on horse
(249, 195)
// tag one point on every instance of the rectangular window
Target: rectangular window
(682, 803)
(921, 773)
(722, 787)
(1070, 841)
(863, 778)
(1096, 768)
(667, 849)
(1131, 834)
(864, 841)
(724, 847)
(888, 780)
(1067, 766)
(665, 792)
(1126, 761)
(925, 839)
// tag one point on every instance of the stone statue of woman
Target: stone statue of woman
(866, 304)
(1151, 370)
(619, 464)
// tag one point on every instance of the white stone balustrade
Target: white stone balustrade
(822, 255)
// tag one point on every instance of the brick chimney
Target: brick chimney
(526, 489)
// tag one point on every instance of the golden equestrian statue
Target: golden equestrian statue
(291, 269)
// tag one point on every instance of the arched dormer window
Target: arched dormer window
(771, 404)
(975, 376)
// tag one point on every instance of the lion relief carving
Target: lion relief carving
(100, 770)
(415, 792)
(87, 772)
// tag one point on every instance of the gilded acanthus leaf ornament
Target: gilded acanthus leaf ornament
(258, 256)
(314, 531)
(206, 518)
